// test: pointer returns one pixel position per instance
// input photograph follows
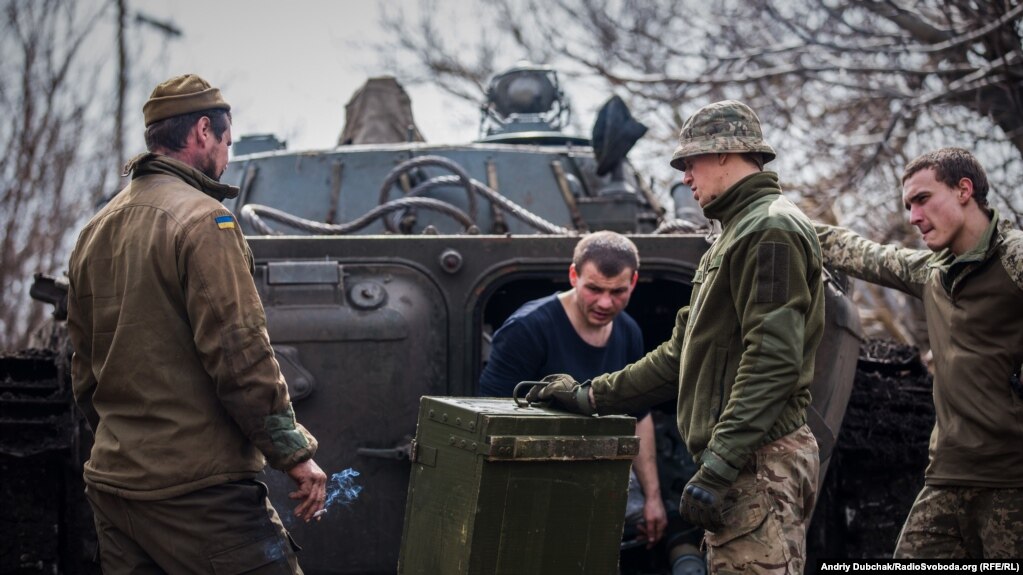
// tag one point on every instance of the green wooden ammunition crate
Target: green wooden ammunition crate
(498, 488)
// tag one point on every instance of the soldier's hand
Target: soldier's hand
(563, 392)
(703, 500)
(655, 520)
(312, 488)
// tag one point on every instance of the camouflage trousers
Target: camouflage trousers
(767, 510)
(963, 522)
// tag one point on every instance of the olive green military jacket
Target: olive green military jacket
(974, 309)
(172, 363)
(740, 359)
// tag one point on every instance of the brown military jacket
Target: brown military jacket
(974, 310)
(172, 365)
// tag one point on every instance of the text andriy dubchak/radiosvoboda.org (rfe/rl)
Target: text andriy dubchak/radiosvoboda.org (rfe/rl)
(929, 565)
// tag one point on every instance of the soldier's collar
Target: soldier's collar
(150, 163)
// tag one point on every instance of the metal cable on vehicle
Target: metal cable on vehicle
(460, 174)
(529, 218)
(677, 225)
(524, 215)
(253, 214)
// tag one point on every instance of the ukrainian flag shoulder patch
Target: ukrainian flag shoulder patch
(225, 222)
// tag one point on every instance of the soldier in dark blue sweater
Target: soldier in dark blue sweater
(583, 332)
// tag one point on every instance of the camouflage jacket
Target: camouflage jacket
(974, 309)
(740, 359)
(172, 365)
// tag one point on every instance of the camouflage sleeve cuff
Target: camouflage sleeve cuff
(1012, 252)
(290, 443)
(715, 463)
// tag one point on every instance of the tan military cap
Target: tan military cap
(182, 95)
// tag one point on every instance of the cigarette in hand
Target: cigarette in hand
(319, 513)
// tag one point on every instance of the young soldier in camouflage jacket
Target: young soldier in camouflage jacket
(740, 360)
(971, 283)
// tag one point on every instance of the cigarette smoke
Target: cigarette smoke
(341, 489)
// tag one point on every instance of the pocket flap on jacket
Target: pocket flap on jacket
(742, 518)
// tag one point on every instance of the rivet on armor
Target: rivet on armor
(451, 261)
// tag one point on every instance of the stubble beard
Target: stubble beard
(209, 167)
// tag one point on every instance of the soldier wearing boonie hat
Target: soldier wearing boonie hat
(759, 460)
(722, 127)
(741, 357)
(173, 367)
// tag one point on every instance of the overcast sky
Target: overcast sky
(288, 68)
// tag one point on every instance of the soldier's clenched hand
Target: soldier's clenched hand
(563, 392)
(703, 500)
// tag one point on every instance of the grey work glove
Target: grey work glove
(562, 392)
(703, 500)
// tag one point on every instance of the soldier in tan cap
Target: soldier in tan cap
(173, 366)
(741, 358)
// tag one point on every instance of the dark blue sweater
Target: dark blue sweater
(538, 340)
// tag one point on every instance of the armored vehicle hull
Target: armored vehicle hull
(375, 297)
(366, 325)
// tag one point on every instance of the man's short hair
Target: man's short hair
(609, 251)
(951, 165)
(755, 159)
(172, 133)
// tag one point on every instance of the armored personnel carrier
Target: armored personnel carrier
(385, 263)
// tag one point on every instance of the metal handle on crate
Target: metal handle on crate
(525, 385)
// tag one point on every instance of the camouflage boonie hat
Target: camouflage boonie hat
(726, 127)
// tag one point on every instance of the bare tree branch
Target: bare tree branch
(848, 92)
(45, 184)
